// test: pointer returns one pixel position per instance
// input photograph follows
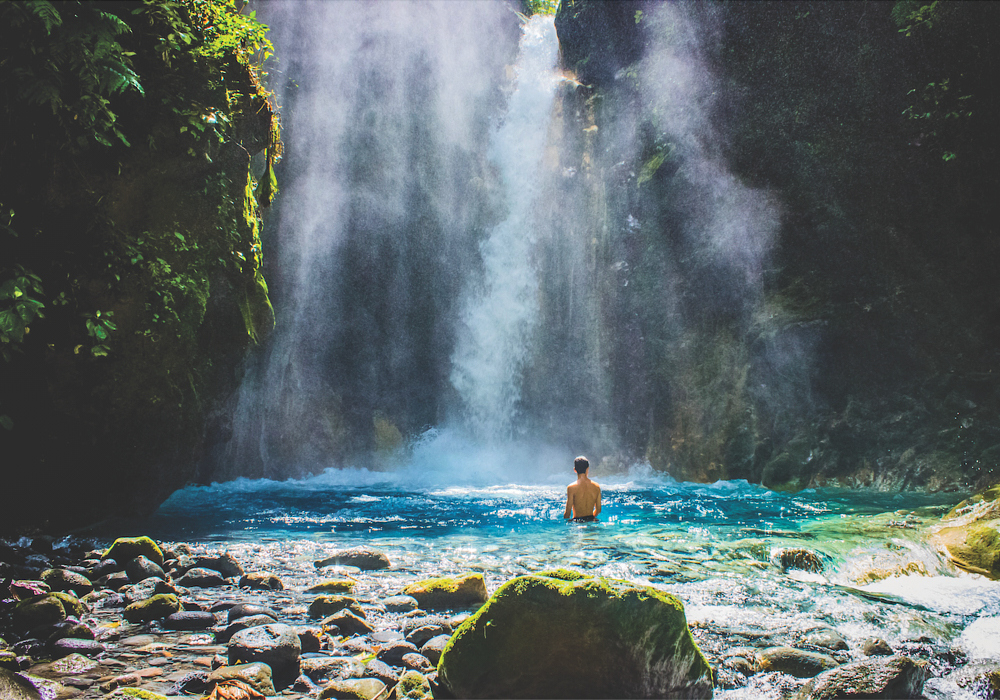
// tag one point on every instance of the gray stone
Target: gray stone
(244, 623)
(414, 623)
(14, 686)
(353, 689)
(422, 634)
(825, 638)
(276, 645)
(141, 590)
(400, 603)
(392, 652)
(795, 662)
(141, 568)
(364, 558)
(189, 620)
(386, 636)
(323, 668)
(875, 677)
(224, 563)
(417, 662)
(433, 648)
(326, 605)
(199, 577)
(874, 646)
(257, 675)
(348, 623)
(382, 671)
(245, 610)
(311, 638)
(68, 645)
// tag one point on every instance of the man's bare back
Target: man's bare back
(583, 496)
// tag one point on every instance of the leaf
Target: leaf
(44, 10)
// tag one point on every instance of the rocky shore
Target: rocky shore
(150, 620)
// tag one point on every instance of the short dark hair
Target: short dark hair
(581, 464)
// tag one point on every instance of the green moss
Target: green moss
(591, 637)
(153, 608)
(564, 574)
(413, 685)
(73, 605)
(449, 592)
(984, 543)
(141, 694)
(124, 549)
(990, 494)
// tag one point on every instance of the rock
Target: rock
(414, 686)
(141, 568)
(363, 558)
(154, 608)
(433, 648)
(826, 638)
(258, 581)
(326, 605)
(72, 664)
(356, 646)
(257, 675)
(382, 671)
(323, 668)
(194, 683)
(392, 653)
(799, 559)
(448, 592)
(540, 637)
(400, 603)
(144, 589)
(116, 581)
(14, 686)
(27, 589)
(65, 580)
(128, 548)
(68, 645)
(242, 624)
(199, 577)
(38, 610)
(348, 623)
(564, 574)
(189, 620)
(276, 645)
(310, 638)
(353, 689)
(245, 610)
(103, 568)
(874, 646)
(423, 634)
(886, 677)
(224, 563)
(386, 636)
(71, 604)
(337, 585)
(417, 662)
(70, 627)
(795, 662)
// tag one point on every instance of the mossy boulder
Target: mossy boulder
(66, 580)
(877, 677)
(970, 536)
(414, 686)
(155, 607)
(125, 549)
(38, 610)
(541, 637)
(71, 604)
(565, 574)
(449, 592)
(339, 585)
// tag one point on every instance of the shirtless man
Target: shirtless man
(583, 497)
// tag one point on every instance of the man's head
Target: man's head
(581, 464)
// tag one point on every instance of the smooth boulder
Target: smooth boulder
(128, 548)
(449, 592)
(541, 637)
(257, 675)
(200, 577)
(795, 662)
(141, 568)
(276, 645)
(876, 677)
(154, 608)
(353, 689)
(363, 558)
(66, 580)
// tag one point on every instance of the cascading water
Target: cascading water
(501, 310)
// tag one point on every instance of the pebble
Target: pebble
(189, 620)
(400, 603)
(246, 610)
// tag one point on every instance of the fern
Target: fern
(44, 10)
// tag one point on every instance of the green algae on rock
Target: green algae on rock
(969, 535)
(124, 549)
(153, 608)
(540, 637)
(413, 686)
(38, 610)
(449, 592)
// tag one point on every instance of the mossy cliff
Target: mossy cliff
(792, 236)
(131, 251)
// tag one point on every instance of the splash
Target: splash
(500, 312)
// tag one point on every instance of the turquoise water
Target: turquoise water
(716, 547)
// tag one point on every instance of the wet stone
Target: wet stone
(400, 603)
(193, 683)
(354, 689)
(386, 636)
(189, 620)
(224, 563)
(257, 675)
(364, 558)
(322, 668)
(417, 662)
(795, 662)
(200, 577)
(244, 623)
(356, 646)
(826, 638)
(141, 568)
(70, 645)
(245, 610)
(433, 648)
(261, 581)
(348, 623)
(875, 646)
(423, 634)
(382, 671)
(392, 652)
(311, 638)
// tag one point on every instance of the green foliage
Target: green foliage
(541, 7)
(20, 305)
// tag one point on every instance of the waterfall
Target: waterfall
(500, 311)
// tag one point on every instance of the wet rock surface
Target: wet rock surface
(180, 641)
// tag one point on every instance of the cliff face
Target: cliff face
(794, 239)
(134, 229)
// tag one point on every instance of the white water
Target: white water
(500, 312)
